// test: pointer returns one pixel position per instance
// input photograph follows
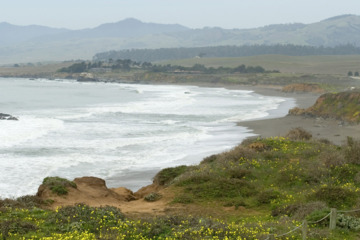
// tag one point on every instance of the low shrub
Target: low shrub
(298, 134)
(348, 222)
(266, 196)
(209, 159)
(352, 152)
(239, 173)
(28, 202)
(307, 208)
(336, 197)
(152, 197)
(317, 215)
(237, 153)
(332, 158)
(58, 185)
(8, 227)
(166, 175)
(81, 217)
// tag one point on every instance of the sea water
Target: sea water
(123, 133)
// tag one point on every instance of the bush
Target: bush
(348, 222)
(319, 214)
(332, 158)
(299, 211)
(28, 202)
(152, 197)
(352, 153)
(166, 175)
(237, 153)
(266, 196)
(298, 134)
(58, 185)
(239, 173)
(209, 159)
(336, 197)
(15, 227)
(81, 217)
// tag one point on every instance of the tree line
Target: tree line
(128, 65)
(153, 55)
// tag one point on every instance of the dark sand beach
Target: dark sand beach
(333, 130)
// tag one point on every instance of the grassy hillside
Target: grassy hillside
(343, 106)
(339, 65)
(261, 187)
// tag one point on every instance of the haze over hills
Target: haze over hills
(38, 43)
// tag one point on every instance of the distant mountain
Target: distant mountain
(38, 43)
(11, 34)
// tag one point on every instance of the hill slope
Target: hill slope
(35, 43)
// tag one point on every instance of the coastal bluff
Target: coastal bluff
(92, 191)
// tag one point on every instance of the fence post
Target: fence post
(304, 230)
(333, 219)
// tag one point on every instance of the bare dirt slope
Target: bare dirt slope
(93, 192)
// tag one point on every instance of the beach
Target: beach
(333, 130)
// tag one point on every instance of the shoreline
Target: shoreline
(330, 129)
(270, 126)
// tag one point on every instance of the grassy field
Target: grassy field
(339, 65)
(332, 65)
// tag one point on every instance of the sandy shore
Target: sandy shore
(270, 127)
(332, 130)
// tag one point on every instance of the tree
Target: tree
(350, 73)
(356, 74)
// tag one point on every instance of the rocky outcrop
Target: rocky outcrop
(4, 116)
(344, 106)
(90, 190)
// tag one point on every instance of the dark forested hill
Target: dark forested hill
(153, 55)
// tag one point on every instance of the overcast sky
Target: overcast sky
(78, 14)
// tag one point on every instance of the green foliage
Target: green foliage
(152, 197)
(75, 68)
(298, 134)
(348, 222)
(27, 202)
(9, 227)
(352, 152)
(336, 197)
(265, 197)
(84, 218)
(58, 185)
(151, 55)
(183, 198)
(319, 214)
(166, 175)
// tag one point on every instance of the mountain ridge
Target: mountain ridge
(39, 43)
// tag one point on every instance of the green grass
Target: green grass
(338, 65)
(57, 185)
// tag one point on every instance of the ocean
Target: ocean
(123, 133)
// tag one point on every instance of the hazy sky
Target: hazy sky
(77, 14)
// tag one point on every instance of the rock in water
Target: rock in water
(4, 116)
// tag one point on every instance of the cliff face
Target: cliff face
(343, 106)
(303, 88)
